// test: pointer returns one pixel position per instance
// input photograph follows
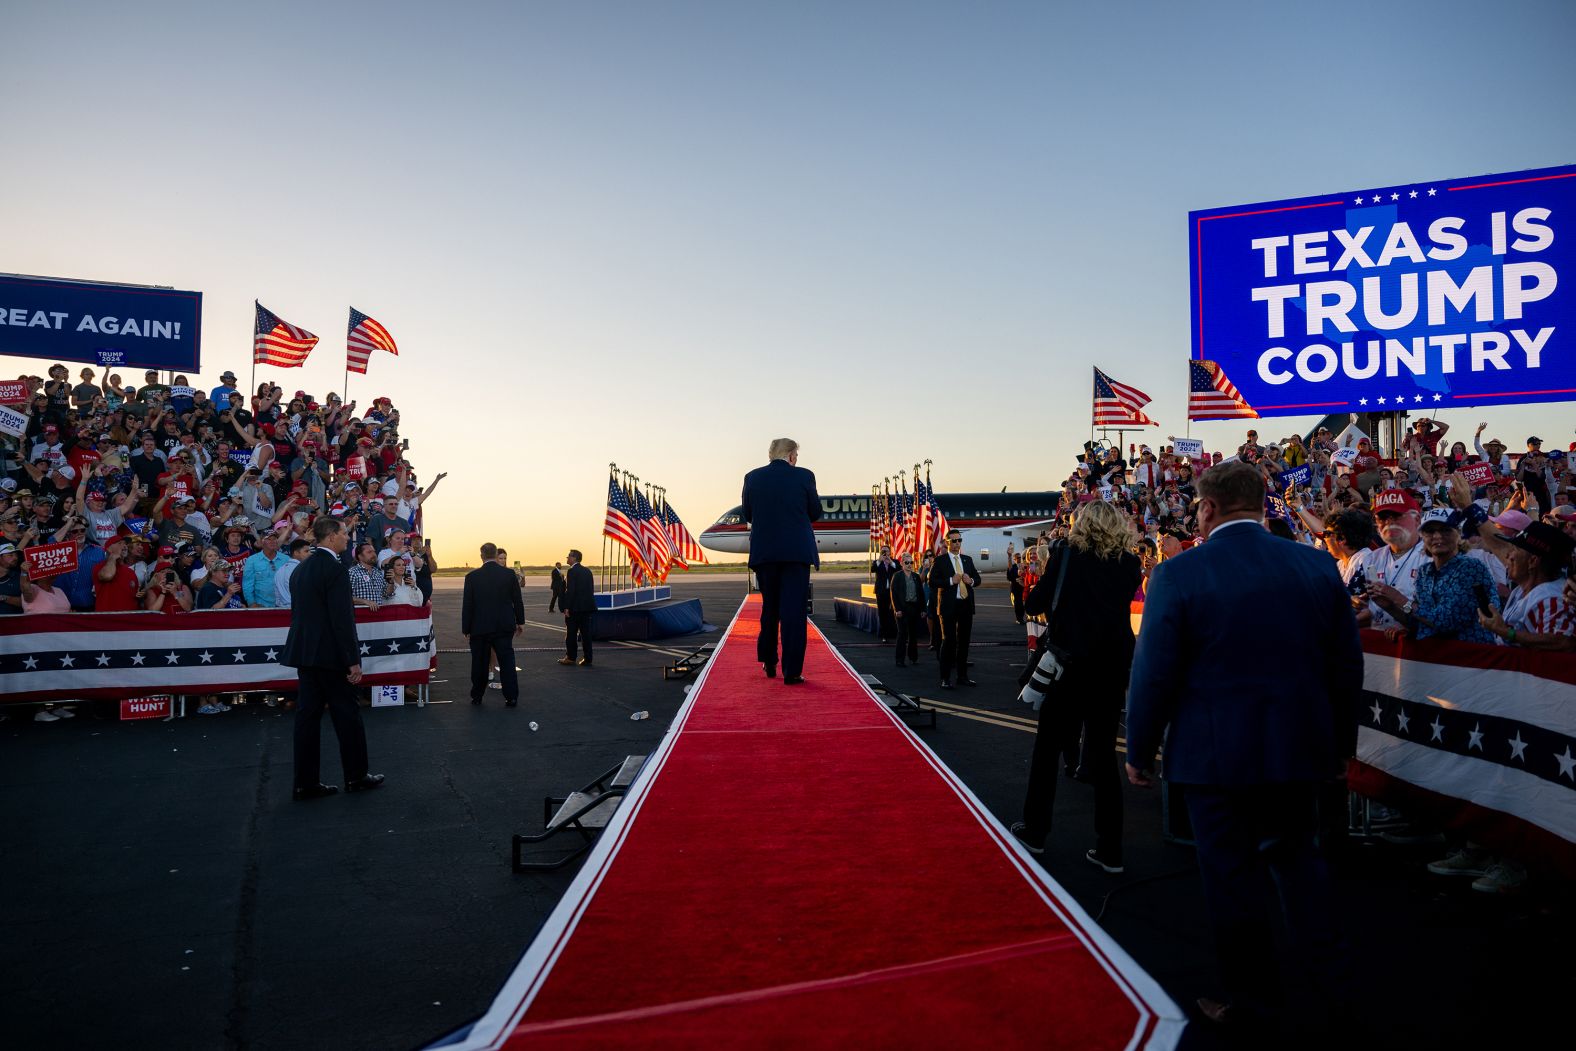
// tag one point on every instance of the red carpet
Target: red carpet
(796, 869)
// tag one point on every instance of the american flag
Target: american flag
(620, 522)
(366, 335)
(276, 342)
(938, 522)
(924, 531)
(659, 554)
(1211, 396)
(903, 533)
(685, 547)
(1118, 405)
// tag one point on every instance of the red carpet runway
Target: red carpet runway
(794, 868)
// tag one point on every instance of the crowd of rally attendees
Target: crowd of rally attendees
(1426, 551)
(182, 499)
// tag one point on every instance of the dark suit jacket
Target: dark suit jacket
(884, 574)
(946, 593)
(557, 582)
(492, 603)
(1093, 620)
(1241, 712)
(580, 596)
(780, 502)
(322, 622)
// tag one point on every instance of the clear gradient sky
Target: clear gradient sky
(664, 233)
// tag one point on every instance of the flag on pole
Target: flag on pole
(659, 555)
(1117, 404)
(366, 335)
(922, 521)
(1211, 396)
(277, 342)
(619, 526)
(939, 524)
(900, 524)
(685, 547)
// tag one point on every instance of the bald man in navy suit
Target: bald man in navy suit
(780, 504)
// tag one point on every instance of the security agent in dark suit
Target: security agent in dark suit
(884, 569)
(323, 648)
(579, 608)
(908, 609)
(1252, 735)
(557, 584)
(780, 503)
(954, 579)
(491, 615)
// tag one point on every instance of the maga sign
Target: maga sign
(43, 317)
(1432, 294)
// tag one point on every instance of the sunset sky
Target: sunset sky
(663, 234)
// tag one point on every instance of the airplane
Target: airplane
(986, 520)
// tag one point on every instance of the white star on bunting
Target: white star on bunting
(1395, 197)
(239, 655)
(365, 649)
(206, 657)
(137, 659)
(103, 660)
(30, 663)
(1567, 764)
(1517, 747)
(393, 647)
(1376, 198)
(270, 655)
(1378, 711)
(1439, 728)
(1431, 191)
(1436, 397)
(1476, 735)
(1362, 401)
(1381, 401)
(67, 661)
(1412, 194)
(172, 658)
(1358, 201)
(1402, 721)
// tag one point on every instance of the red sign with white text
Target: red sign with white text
(157, 707)
(1477, 473)
(48, 560)
(13, 392)
(356, 468)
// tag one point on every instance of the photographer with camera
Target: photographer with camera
(1079, 678)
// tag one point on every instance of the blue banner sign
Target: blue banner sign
(1417, 297)
(1296, 476)
(128, 325)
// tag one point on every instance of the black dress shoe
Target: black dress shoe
(585, 662)
(967, 682)
(900, 662)
(771, 671)
(512, 704)
(945, 685)
(793, 680)
(476, 700)
(317, 791)
(364, 783)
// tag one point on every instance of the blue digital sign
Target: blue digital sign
(1417, 297)
(133, 325)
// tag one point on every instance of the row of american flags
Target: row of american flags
(1211, 396)
(645, 525)
(910, 521)
(277, 342)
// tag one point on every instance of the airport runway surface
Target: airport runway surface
(162, 890)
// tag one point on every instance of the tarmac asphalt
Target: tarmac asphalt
(162, 890)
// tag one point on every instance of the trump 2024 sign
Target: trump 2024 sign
(1422, 296)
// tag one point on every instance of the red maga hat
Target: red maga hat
(1394, 500)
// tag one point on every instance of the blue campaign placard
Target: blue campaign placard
(1415, 297)
(127, 325)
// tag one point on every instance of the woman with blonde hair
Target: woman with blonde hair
(1088, 623)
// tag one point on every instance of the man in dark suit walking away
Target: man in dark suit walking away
(323, 648)
(780, 503)
(558, 587)
(579, 608)
(953, 579)
(1255, 734)
(491, 615)
(908, 609)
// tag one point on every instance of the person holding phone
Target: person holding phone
(1445, 605)
(1537, 615)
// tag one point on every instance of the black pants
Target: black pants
(578, 625)
(1259, 859)
(785, 587)
(1017, 603)
(327, 688)
(501, 645)
(956, 628)
(909, 625)
(1074, 709)
(887, 622)
(553, 602)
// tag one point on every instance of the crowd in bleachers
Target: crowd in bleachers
(182, 499)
